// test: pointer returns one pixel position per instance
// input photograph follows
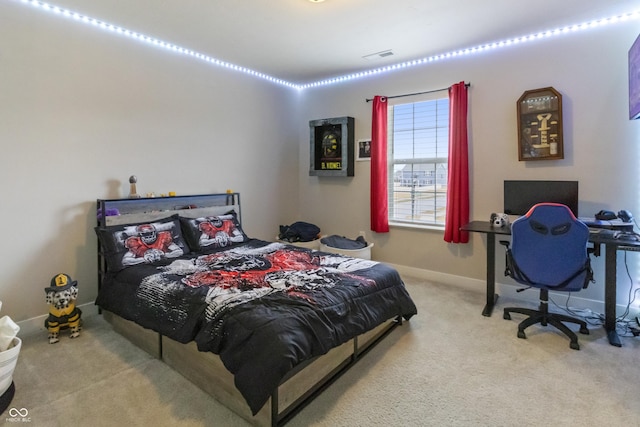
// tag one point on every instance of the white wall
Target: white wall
(81, 110)
(602, 147)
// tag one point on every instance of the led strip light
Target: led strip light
(482, 48)
(213, 61)
(153, 41)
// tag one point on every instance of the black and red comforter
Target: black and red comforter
(263, 307)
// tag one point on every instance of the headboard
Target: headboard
(129, 211)
(146, 209)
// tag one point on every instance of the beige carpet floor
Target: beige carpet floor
(448, 366)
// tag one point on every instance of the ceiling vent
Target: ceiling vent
(378, 55)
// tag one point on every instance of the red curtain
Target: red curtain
(379, 201)
(458, 180)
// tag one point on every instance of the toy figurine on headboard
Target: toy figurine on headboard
(63, 313)
(133, 192)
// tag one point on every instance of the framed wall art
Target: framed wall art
(540, 125)
(363, 150)
(332, 147)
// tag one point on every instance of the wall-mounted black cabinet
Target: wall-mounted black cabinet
(332, 147)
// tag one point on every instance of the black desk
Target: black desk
(611, 245)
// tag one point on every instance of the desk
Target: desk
(611, 245)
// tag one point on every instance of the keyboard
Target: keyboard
(615, 224)
(620, 236)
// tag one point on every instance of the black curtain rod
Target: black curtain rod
(419, 93)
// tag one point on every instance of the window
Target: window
(418, 138)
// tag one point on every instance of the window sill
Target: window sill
(416, 226)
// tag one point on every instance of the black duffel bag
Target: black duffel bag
(299, 232)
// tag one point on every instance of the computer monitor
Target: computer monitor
(520, 196)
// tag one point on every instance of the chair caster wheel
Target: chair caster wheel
(521, 335)
(584, 331)
(506, 316)
(574, 345)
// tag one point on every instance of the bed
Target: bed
(261, 326)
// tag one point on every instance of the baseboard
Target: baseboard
(508, 292)
(35, 325)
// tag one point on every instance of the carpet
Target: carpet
(448, 365)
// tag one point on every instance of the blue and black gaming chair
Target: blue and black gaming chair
(549, 251)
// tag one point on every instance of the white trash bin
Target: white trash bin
(8, 361)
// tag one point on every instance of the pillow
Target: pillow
(141, 243)
(213, 232)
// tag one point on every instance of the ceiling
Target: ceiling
(303, 42)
